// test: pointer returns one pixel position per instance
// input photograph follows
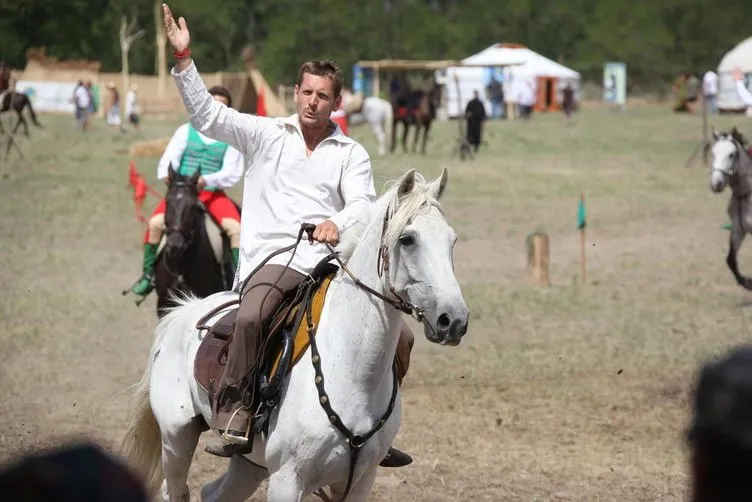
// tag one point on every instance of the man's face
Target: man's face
(221, 99)
(314, 100)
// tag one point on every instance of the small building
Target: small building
(514, 65)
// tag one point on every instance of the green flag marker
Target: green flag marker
(581, 213)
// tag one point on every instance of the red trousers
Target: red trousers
(217, 203)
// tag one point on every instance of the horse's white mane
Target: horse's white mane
(401, 212)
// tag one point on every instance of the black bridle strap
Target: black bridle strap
(354, 441)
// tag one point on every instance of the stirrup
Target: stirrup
(242, 440)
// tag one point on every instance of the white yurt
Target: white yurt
(512, 64)
(740, 56)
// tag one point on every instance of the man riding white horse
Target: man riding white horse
(299, 169)
(221, 167)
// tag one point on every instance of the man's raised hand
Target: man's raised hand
(177, 34)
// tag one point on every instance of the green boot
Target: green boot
(235, 258)
(145, 284)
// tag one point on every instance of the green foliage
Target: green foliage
(655, 39)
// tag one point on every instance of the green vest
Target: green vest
(197, 153)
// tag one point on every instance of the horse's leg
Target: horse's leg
(378, 131)
(358, 491)
(394, 135)
(18, 124)
(425, 136)
(418, 128)
(178, 445)
(240, 481)
(285, 485)
(405, 132)
(736, 238)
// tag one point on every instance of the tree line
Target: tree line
(655, 38)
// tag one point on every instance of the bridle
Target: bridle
(174, 228)
(739, 148)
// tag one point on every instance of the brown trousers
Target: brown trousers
(261, 299)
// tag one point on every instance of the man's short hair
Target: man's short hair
(323, 69)
(218, 90)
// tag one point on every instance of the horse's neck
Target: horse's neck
(363, 331)
(743, 185)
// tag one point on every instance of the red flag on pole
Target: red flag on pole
(261, 104)
(132, 174)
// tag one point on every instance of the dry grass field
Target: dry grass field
(571, 392)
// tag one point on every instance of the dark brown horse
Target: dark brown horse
(17, 101)
(10, 99)
(418, 109)
(188, 264)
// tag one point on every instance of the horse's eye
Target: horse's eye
(407, 240)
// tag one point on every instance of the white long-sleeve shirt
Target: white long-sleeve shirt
(743, 93)
(232, 162)
(284, 187)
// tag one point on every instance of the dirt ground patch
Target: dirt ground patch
(572, 392)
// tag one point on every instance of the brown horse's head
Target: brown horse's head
(182, 213)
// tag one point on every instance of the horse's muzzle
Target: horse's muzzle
(452, 326)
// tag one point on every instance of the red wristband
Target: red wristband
(182, 54)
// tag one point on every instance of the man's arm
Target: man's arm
(357, 189)
(173, 152)
(212, 118)
(231, 172)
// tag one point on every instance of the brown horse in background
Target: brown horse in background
(415, 108)
(10, 99)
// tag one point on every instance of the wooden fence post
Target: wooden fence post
(538, 258)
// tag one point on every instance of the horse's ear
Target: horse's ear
(436, 189)
(715, 133)
(170, 173)
(407, 183)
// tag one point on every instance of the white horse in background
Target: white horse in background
(403, 251)
(377, 112)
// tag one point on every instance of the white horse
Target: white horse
(403, 252)
(377, 112)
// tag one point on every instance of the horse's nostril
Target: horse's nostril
(443, 322)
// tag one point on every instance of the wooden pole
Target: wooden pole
(538, 258)
(583, 267)
(705, 138)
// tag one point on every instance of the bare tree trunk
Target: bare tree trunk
(127, 37)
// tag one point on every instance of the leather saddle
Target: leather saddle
(285, 342)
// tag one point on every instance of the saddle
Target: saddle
(286, 341)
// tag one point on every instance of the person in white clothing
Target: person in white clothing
(741, 89)
(300, 168)
(710, 90)
(82, 102)
(131, 106)
(221, 168)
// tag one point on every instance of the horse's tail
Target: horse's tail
(33, 114)
(142, 444)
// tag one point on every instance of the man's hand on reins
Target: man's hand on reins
(326, 232)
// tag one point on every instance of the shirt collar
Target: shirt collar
(337, 135)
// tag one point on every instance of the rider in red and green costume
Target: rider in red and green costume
(221, 168)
